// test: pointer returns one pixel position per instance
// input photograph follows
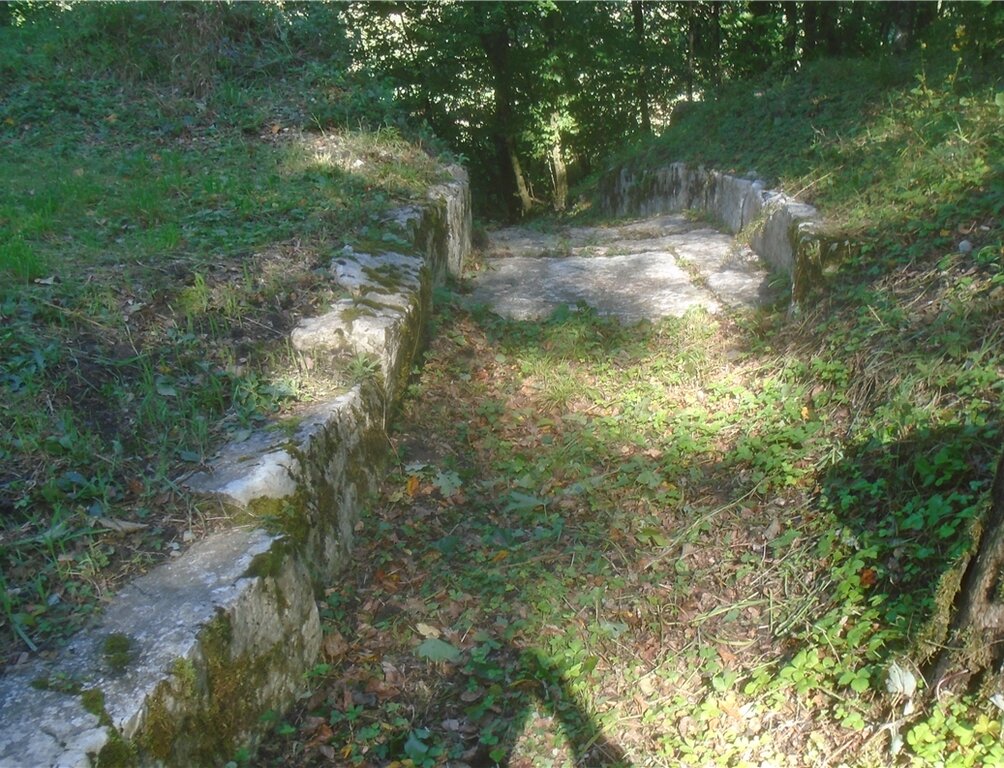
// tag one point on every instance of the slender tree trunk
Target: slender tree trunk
(810, 26)
(525, 198)
(827, 20)
(791, 33)
(495, 43)
(638, 13)
(559, 170)
(760, 45)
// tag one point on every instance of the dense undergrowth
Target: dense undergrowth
(176, 179)
(653, 546)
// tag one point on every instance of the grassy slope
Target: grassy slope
(906, 158)
(168, 210)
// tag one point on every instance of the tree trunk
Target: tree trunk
(975, 628)
(638, 13)
(828, 31)
(760, 45)
(810, 28)
(559, 170)
(791, 33)
(525, 198)
(495, 43)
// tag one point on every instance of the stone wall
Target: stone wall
(786, 234)
(185, 660)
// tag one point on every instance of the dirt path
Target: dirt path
(572, 563)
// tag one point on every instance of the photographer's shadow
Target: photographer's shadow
(533, 680)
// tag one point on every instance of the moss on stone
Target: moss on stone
(269, 565)
(183, 672)
(117, 752)
(160, 730)
(59, 682)
(388, 276)
(93, 700)
(213, 725)
(351, 314)
(117, 651)
(285, 517)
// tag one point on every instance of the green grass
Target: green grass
(162, 228)
(895, 151)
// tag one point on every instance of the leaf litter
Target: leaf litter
(553, 588)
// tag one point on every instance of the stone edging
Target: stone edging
(786, 234)
(186, 659)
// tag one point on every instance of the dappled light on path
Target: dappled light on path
(650, 543)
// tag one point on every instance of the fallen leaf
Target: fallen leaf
(426, 631)
(868, 577)
(901, 681)
(411, 487)
(335, 646)
(435, 649)
(773, 530)
(121, 526)
(728, 658)
(311, 724)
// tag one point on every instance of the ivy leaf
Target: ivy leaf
(434, 649)
(447, 482)
(415, 748)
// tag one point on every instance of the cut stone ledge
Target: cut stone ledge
(785, 233)
(181, 665)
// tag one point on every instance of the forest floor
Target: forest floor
(614, 544)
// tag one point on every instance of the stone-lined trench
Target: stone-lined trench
(207, 644)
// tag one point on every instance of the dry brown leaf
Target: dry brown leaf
(426, 630)
(411, 487)
(121, 526)
(335, 646)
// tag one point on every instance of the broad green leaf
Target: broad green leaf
(434, 649)
(447, 482)
(415, 748)
(519, 502)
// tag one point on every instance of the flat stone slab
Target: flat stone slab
(641, 270)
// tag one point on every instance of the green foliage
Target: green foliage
(578, 80)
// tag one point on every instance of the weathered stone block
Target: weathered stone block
(180, 667)
(780, 230)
